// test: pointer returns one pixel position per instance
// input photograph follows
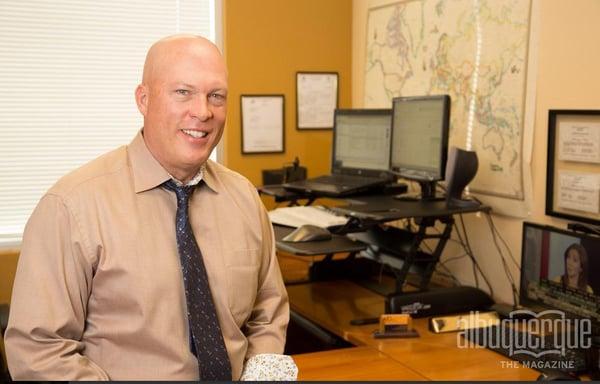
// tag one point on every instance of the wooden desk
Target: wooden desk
(360, 363)
(432, 356)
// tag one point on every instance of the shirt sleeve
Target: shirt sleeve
(49, 300)
(267, 325)
(270, 367)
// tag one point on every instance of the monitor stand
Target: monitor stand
(463, 203)
(427, 193)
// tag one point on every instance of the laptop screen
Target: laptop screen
(558, 271)
(362, 139)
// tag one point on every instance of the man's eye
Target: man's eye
(182, 92)
(217, 97)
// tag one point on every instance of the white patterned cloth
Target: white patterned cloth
(270, 367)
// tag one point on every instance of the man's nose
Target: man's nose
(200, 108)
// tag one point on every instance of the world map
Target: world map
(476, 52)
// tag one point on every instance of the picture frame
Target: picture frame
(573, 165)
(262, 119)
(316, 99)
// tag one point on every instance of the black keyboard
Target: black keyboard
(532, 350)
(349, 180)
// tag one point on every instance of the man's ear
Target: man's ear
(141, 98)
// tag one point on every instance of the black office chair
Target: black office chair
(4, 375)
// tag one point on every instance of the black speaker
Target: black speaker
(460, 170)
(441, 301)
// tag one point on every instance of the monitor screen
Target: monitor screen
(420, 137)
(362, 139)
(558, 271)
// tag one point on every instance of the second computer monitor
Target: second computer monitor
(420, 140)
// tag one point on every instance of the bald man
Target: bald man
(100, 293)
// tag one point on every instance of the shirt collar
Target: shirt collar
(210, 177)
(149, 174)
(195, 180)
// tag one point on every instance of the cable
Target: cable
(467, 250)
(509, 275)
(449, 274)
(454, 258)
(472, 256)
(495, 230)
(440, 263)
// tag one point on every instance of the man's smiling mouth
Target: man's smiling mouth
(195, 134)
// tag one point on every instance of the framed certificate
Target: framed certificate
(316, 99)
(573, 167)
(262, 119)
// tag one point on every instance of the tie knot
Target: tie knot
(183, 192)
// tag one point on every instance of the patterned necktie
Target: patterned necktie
(207, 340)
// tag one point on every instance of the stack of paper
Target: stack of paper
(298, 216)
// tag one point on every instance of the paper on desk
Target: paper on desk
(298, 216)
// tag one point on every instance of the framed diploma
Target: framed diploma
(262, 119)
(573, 167)
(316, 99)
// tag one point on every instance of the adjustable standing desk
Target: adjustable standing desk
(401, 248)
(403, 244)
(387, 208)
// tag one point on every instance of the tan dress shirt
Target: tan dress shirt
(99, 292)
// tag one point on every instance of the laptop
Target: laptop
(549, 258)
(360, 156)
(560, 297)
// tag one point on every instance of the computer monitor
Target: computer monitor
(362, 140)
(420, 140)
(559, 271)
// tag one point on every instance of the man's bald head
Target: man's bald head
(183, 98)
(164, 51)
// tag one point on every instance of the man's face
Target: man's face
(184, 103)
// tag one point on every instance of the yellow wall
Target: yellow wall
(8, 266)
(567, 78)
(266, 43)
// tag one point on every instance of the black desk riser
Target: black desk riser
(384, 208)
(280, 194)
(380, 242)
(405, 244)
